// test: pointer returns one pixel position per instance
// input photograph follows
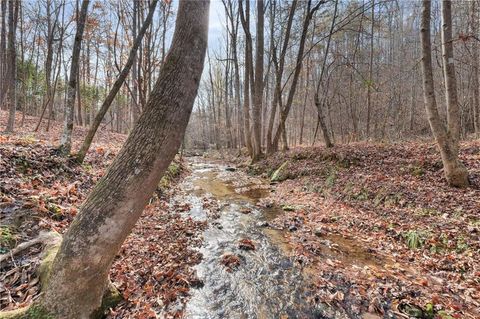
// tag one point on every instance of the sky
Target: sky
(216, 24)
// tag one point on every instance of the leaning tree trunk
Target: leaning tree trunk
(66, 139)
(116, 86)
(80, 271)
(447, 138)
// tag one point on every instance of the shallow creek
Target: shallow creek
(268, 283)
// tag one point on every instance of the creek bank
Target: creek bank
(380, 221)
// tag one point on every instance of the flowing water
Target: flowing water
(267, 283)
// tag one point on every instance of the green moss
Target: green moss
(32, 312)
(331, 178)
(46, 265)
(37, 312)
(173, 171)
(110, 299)
(7, 238)
(281, 173)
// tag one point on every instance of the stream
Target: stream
(267, 283)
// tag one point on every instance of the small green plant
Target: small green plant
(462, 245)
(331, 178)
(416, 171)
(429, 312)
(174, 169)
(392, 200)
(414, 239)
(7, 238)
(87, 167)
(426, 212)
(361, 195)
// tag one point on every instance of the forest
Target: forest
(239, 159)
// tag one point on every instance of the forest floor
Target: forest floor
(377, 228)
(41, 191)
(374, 226)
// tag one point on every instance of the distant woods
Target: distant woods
(278, 74)
(333, 72)
(36, 47)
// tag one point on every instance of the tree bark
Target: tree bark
(12, 64)
(370, 71)
(245, 19)
(321, 115)
(279, 67)
(475, 70)
(116, 86)
(66, 139)
(258, 94)
(3, 52)
(455, 172)
(80, 269)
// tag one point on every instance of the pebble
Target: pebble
(262, 224)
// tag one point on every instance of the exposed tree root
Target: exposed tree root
(48, 238)
(52, 242)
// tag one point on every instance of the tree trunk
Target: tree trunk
(116, 86)
(245, 18)
(3, 52)
(80, 269)
(455, 172)
(258, 94)
(279, 67)
(370, 72)
(66, 139)
(475, 70)
(12, 64)
(298, 67)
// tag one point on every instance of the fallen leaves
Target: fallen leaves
(377, 195)
(230, 261)
(246, 244)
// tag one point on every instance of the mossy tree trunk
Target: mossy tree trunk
(79, 273)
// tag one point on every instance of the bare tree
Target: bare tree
(66, 139)
(12, 63)
(258, 91)
(321, 116)
(447, 137)
(116, 86)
